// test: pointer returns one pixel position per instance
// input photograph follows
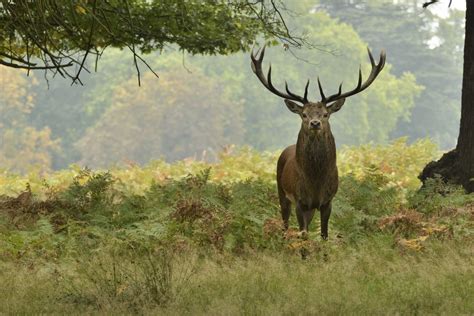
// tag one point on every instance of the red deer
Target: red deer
(307, 171)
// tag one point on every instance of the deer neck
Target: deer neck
(316, 154)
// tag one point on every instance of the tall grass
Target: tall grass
(372, 279)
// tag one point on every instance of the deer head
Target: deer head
(315, 115)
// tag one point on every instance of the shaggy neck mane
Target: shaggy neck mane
(316, 154)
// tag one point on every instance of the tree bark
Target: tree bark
(457, 166)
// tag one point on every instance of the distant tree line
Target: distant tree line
(202, 103)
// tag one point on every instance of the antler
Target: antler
(267, 82)
(376, 69)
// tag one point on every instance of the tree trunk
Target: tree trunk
(457, 166)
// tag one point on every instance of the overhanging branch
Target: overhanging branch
(30, 67)
(55, 33)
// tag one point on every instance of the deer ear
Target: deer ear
(293, 107)
(336, 106)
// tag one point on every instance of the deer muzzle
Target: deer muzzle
(315, 124)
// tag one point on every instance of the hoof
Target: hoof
(303, 234)
(304, 254)
(324, 237)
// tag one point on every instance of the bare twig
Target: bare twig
(89, 46)
(132, 49)
(17, 59)
(428, 3)
(28, 67)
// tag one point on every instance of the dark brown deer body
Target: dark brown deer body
(307, 176)
(307, 172)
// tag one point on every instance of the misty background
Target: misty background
(202, 105)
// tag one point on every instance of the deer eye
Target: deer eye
(325, 115)
(304, 115)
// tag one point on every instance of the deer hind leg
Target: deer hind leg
(325, 214)
(285, 205)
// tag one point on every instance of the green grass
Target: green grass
(372, 279)
(193, 238)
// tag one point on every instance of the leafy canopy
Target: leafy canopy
(63, 33)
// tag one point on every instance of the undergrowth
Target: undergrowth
(197, 238)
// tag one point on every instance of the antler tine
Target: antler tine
(340, 88)
(260, 59)
(255, 58)
(375, 71)
(256, 65)
(339, 91)
(305, 98)
(272, 87)
(359, 82)
(306, 91)
(323, 97)
(269, 76)
(372, 62)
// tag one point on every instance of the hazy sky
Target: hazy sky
(441, 8)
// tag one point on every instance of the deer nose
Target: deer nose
(315, 124)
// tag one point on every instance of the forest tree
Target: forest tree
(457, 166)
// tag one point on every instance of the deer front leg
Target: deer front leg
(299, 215)
(325, 214)
(304, 214)
(308, 217)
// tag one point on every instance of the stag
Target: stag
(306, 171)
